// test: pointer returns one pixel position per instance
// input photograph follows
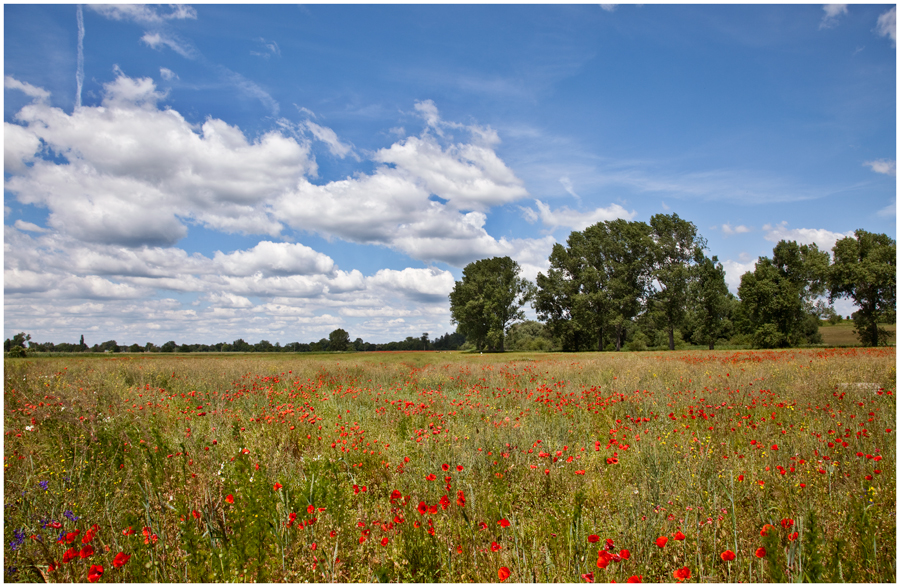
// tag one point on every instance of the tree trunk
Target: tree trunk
(671, 338)
(600, 340)
(874, 332)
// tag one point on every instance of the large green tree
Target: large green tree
(338, 340)
(488, 299)
(865, 270)
(778, 295)
(676, 244)
(598, 284)
(709, 295)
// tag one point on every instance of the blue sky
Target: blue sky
(208, 172)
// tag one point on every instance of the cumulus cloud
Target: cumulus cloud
(729, 230)
(824, 239)
(269, 258)
(832, 13)
(733, 272)
(167, 74)
(134, 172)
(887, 25)
(565, 217)
(421, 284)
(886, 166)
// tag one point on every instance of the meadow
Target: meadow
(720, 466)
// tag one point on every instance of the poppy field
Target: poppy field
(751, 466)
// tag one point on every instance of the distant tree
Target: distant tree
(110, 346)
(529, 336)
(710, 300)
(18, 340)
(487, 299)
(168, 347)
(263, 346)
(865, 270)
(241, 346)
(676, 244)
(338, 340)
(81, 343)
(424, 340)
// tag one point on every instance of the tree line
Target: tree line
(338, 341)
(630, 284)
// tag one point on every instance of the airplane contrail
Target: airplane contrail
(79, 74)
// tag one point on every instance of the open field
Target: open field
(429, 467)
(843, 334)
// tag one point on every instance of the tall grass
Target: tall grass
(291, 468)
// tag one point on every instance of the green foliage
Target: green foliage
(338, 340)
(865, 270)
(487, 300)
(777, 296)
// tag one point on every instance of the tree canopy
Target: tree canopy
(865, 270)
(489, 298)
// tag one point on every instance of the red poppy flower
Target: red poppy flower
(432, 509)
(679, 536)
(740, 477)
(589, 577)
(765, 529)
(196, 514)
(593, 538)
(395, 495)
(128, 532)
(786, 523)
(95, 573)
(277, 486)
(70, 554)
(460, 499)
(362, 539)
(445, 502)
(727, 556)
(121, 559)
(625, 554)
(431, 477)
(423, 507)
(603, 559)
(760, 552)
(445, 467)
(229, 498)
(494, 547)
(384, 541)
(504, 523)
(503, 573)
(87, 551)
(635, 579)
(313, 546)
(793, 536)
(682, 573)
(459, 467)
(661, 541)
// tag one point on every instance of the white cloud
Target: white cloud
(39, 94)
(156, 40)
(269, 48)
(20, 146)
(268, 258)
(887, 25)
(729, 230)
(167, 74)
(143, 14)
(29, 226)
(135, 172)
(888, 211)
(330, 138)
(733, 272)
(832, 13)
(420, 284)
(565, 217)
(609, 7)
(824, 239)
(886, 166)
